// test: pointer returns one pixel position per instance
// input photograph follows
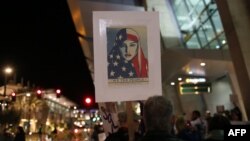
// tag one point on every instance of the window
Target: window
(202, 37)
(208, 29)
(215, 45)
(193, 43)
(217, 22)
(200, 24)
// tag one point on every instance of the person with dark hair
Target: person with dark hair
(97, 130)
(199, 124)
(184, 131)
(157, 117)
(216, 128)
(20, 134)
(236, 114)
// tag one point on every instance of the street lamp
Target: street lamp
(7, 71)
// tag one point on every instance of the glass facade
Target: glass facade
(200, 24)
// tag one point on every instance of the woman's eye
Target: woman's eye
(133, 45)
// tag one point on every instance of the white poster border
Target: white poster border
(106, 92)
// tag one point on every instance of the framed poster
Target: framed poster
(126, 55)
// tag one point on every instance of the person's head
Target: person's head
(128, 42)
(122, 118)
(158, 113)
(20, 129)
(218, 122)
(180, 123)
(195, 114)
(98, 128)
(208, 113)
(236, 115)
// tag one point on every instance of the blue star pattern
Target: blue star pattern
(118, 67)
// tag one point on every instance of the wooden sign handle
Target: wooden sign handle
(130, 117)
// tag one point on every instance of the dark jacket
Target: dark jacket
(159, 136)
(215, 135)
(120, 135)
(20, 137)
(188, 135)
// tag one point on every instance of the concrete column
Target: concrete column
(235, 19)
(236, 91)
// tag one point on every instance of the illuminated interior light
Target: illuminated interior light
(203, 64)
(190, 72)
(172, 83)
(223, 42)
(179, 79)
(195, 80)
(217, 46)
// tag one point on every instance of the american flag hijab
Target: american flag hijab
(119, 67)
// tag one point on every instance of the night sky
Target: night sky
(39, 41)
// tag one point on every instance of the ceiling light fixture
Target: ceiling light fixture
(203, 64)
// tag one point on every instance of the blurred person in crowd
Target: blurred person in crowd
(122, 133)
(157, 117)
(184, 130)
(227, 114)
(40, 133)
(236, 114)
(199, 124)
(20, 134)
(97, 130)
(53, 134)
(6, 135)
(173, 121)
(208, 115)
(216, 128)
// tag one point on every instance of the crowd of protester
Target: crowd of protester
(7, 135)
(161, 124)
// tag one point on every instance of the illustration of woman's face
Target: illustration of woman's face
(129, 49)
